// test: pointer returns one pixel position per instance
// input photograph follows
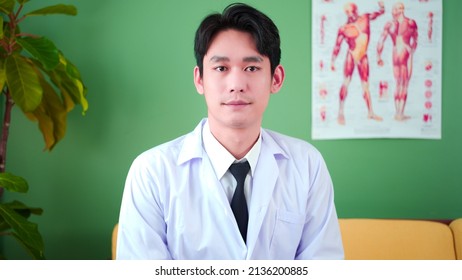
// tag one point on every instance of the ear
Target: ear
(198, 82)
(278, 79)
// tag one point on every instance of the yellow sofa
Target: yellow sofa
(386, 239)
(114, 241)
(400, 239)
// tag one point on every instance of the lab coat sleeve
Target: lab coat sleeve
(142, 229)
(321, 238)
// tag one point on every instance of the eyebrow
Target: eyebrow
(253, 59)
(217, 58)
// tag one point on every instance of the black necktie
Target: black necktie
(238, 203)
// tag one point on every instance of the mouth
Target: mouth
(236, 103)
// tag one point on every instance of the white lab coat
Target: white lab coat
(174, 207)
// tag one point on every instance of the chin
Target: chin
(236, 122)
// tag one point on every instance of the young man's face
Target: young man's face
(236, 81)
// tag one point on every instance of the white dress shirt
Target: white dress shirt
(221, 159)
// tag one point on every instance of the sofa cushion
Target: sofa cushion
(456, 227)
(387, 239)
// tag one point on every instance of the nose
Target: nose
(240, 90)
(237, 82)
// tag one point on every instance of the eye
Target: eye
(252, 69)
(220, 68)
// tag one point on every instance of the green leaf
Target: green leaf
(68, 102)
(7, 6)
(25, 231)
(1, 29)
(67, 78)
(74, 74)
(7, 32)
(13, 183)
(51, 115)
(2, 75)
(3, 225)
(55, 9)
(23, 82)
(34, 252)
(42, 49)
(23, 209)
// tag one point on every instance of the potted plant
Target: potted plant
(36, 77)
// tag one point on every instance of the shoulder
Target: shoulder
(293, 147)
(165, 152)
(295, 156)
(179, 150)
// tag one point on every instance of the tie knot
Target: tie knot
(240, 170)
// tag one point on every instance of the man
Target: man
(356, 33)
(180, 198)
(403, 33)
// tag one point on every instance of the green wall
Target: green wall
(136, 58)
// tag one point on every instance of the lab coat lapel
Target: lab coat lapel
(265, 178)
(192, 149)
(221, 209)
(211, 187)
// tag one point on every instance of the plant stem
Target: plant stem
(5, 132)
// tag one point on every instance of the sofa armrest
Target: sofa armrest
(456, 227)
(114, 241)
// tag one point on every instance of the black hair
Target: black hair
(240, 17)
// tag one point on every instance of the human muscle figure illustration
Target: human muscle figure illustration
(323, 19)
(383, 90)
(403, 33)
(355, 33)
(430, 26)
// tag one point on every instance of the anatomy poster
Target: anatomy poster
(376, 69)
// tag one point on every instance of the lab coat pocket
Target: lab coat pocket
(287, 233)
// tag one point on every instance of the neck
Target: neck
(238, 141)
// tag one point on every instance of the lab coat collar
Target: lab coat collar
(192, 147)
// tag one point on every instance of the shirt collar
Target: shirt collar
(221, 159)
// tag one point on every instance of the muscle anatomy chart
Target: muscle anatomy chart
(376, 68)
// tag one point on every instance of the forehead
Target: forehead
(232, 42)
